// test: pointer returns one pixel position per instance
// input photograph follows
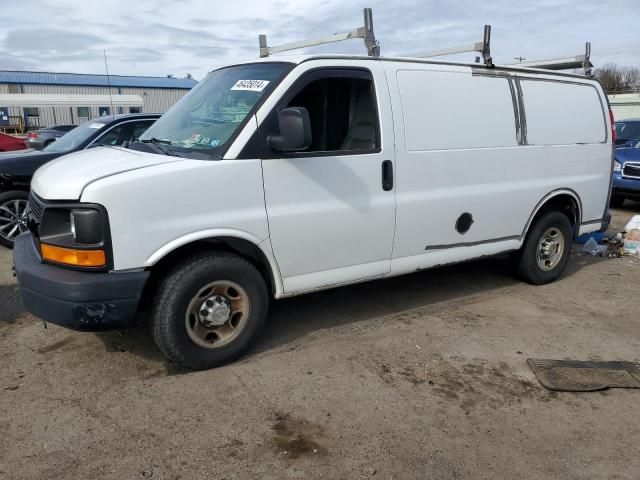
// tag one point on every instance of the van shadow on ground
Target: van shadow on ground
(294, 318)
(11, 307)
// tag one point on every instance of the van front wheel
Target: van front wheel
(208, 310)
(546, 249)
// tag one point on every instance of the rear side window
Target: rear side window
(450, 110)
(562, 113)
(111, 137)
(630, 130)
(138, 128)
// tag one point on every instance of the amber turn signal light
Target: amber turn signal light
(71, 256)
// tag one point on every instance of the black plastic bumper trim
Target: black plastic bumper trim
(89, 301)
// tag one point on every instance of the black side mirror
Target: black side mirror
(630, 143)
(295, 131)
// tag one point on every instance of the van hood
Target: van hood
(67, 177)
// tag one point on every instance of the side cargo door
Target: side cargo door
(331, 208)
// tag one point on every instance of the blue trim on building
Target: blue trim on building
(87, 80)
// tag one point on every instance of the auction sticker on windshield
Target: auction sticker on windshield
(250, 85)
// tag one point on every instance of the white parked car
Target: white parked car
(297, 173)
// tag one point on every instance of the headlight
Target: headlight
(73, 236)
(617, 166)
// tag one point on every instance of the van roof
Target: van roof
(300, 58)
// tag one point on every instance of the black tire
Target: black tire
(616, 201)
(9, 197)
(180, 288)
(527, 265)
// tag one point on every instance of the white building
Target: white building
(625, 105)
(31, 100)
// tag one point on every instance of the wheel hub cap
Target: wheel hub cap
(215, 311)
(217, 314)
(550, 249)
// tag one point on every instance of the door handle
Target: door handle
(387, 175)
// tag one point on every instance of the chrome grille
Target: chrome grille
(34, 208)
(631, 170)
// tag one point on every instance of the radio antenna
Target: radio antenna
(106, 67)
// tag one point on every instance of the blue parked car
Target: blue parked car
(626, 175)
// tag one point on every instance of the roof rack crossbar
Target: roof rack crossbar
(483, 47)
(582, 61)
(365, 32)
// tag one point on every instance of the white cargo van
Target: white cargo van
(291, 174)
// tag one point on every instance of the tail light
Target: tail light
(32, 135)
(613, 127)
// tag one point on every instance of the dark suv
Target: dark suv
(17, 168)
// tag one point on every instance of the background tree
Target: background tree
(616, 79)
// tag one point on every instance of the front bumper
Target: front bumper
(88, 301)
(625, 187)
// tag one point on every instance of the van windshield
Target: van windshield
(207, 117)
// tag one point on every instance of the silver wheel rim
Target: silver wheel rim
(217, 314)
(550, 249)
(13, 218)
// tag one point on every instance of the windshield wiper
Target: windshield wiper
(159, 142)
(155, 140)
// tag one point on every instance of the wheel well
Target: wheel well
(236, 246)
(563, 203)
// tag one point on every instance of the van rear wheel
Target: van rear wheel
(546, 249)
(208, 310)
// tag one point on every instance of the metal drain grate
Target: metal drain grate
(578, 376)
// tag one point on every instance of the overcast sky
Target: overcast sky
(160, 37)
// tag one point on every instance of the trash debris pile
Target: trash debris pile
(632, 236)
(626, 243)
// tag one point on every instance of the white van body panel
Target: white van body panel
(330, 220)
(66, 177)
(500, 182)
(577, 115)
(456, 147)
(155, 210)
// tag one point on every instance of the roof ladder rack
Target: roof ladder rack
(582, 61)
(483, 47)
(365, 32)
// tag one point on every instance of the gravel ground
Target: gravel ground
(422, 376)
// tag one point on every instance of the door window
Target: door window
(138, 128)
(112, 137)
(342, 111)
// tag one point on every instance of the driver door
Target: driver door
(331, 218)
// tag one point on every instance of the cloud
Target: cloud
(159, 37)
(49, 40)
